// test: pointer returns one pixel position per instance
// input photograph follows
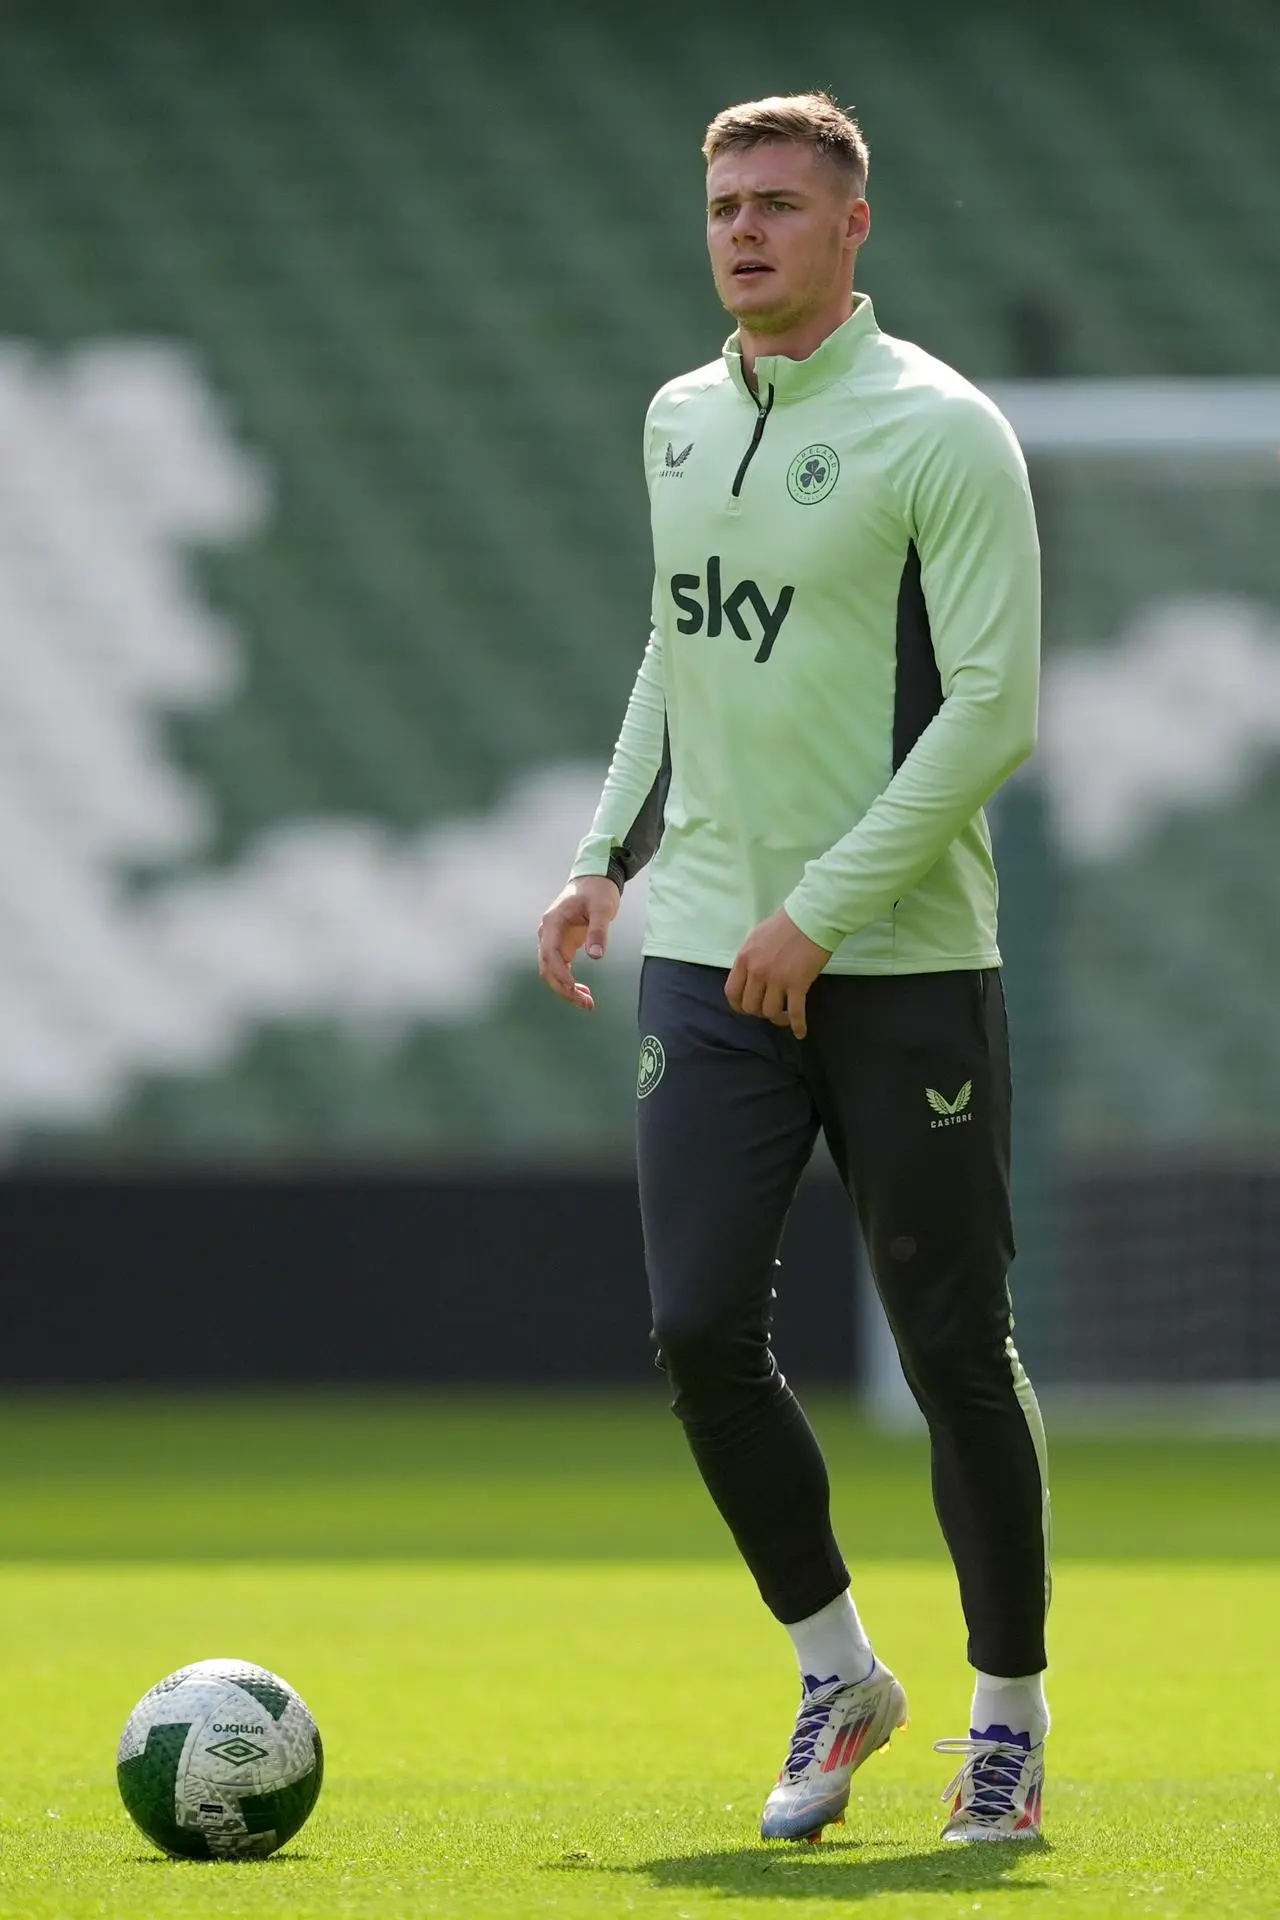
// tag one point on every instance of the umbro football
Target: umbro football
(220, 1761)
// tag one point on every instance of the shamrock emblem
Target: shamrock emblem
(812, 474)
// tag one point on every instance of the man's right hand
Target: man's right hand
(579, 916)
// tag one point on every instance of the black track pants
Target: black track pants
(908, 1077)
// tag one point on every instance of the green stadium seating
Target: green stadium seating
(433, 262)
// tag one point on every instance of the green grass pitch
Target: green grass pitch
(546, 1687)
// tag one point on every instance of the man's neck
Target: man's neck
(797, 342)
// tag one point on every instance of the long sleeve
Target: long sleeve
(968, 504)
(628, 821)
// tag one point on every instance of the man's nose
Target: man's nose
(746, 223)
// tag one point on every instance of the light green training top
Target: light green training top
(843, 664)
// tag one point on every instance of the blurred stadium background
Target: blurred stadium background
(325, 337)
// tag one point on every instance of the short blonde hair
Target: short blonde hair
(812, 119)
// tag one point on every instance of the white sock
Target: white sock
(832, 1644)
(1017, 1705)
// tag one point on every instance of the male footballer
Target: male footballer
(842, 669)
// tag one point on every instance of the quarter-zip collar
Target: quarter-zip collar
(797, 379)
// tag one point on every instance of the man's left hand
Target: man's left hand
(774, 970)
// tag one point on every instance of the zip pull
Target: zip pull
(762, 414)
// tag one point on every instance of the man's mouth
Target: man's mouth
(745, 268)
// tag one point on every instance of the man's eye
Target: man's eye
(781, 206)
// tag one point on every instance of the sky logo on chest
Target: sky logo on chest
(715, 608)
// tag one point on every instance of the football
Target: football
(222, 1760)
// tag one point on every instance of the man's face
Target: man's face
(782, 228)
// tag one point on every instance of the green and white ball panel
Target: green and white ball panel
(221, 1760)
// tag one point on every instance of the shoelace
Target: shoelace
(995, 1768)
(815, 1711)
